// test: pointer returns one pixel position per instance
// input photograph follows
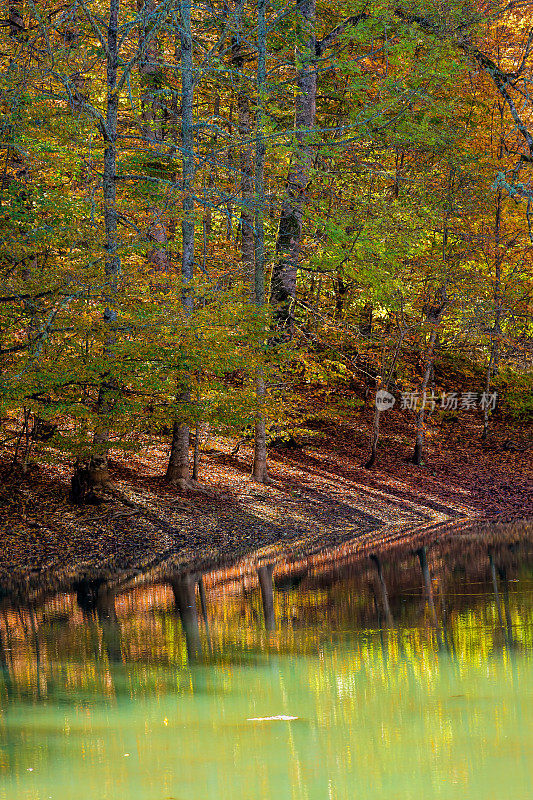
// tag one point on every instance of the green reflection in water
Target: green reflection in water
(102, 711)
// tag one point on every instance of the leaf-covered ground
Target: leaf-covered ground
(319, 496)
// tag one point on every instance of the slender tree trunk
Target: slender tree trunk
(434, 315)
(17, 170)
(420, 427)
(196, 459)
(246, 165)
(491, 372)
(260, 469)
(284, 273)
(150, 74)
(153, 126)
(211, 173)
(230, 158)
(374, 439)
(207, 223)
(108, 388)
(178, 466)
(492, 367)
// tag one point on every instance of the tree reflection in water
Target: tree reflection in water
(370, 651)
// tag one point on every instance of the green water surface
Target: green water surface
(103, 711)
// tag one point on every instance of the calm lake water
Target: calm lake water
(112, 700)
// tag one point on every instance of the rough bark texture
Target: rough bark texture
(178, 471)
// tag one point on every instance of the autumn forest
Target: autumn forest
(266, 399)
(234, 219)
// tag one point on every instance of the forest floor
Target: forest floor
(319, 496)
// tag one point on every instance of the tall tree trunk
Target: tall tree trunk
(420, 417)
(208, 210)
(108, 388)
(285, 268)
(245, 164)
(374, 440)
(434, 315)
(260, 469)
(196, 456)
(17, 170)
(178, 465)
(230, 158)
(492, 367)
(153, 127)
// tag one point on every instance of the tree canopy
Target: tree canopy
(207, 206)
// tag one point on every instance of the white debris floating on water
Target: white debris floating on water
(283, 717)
